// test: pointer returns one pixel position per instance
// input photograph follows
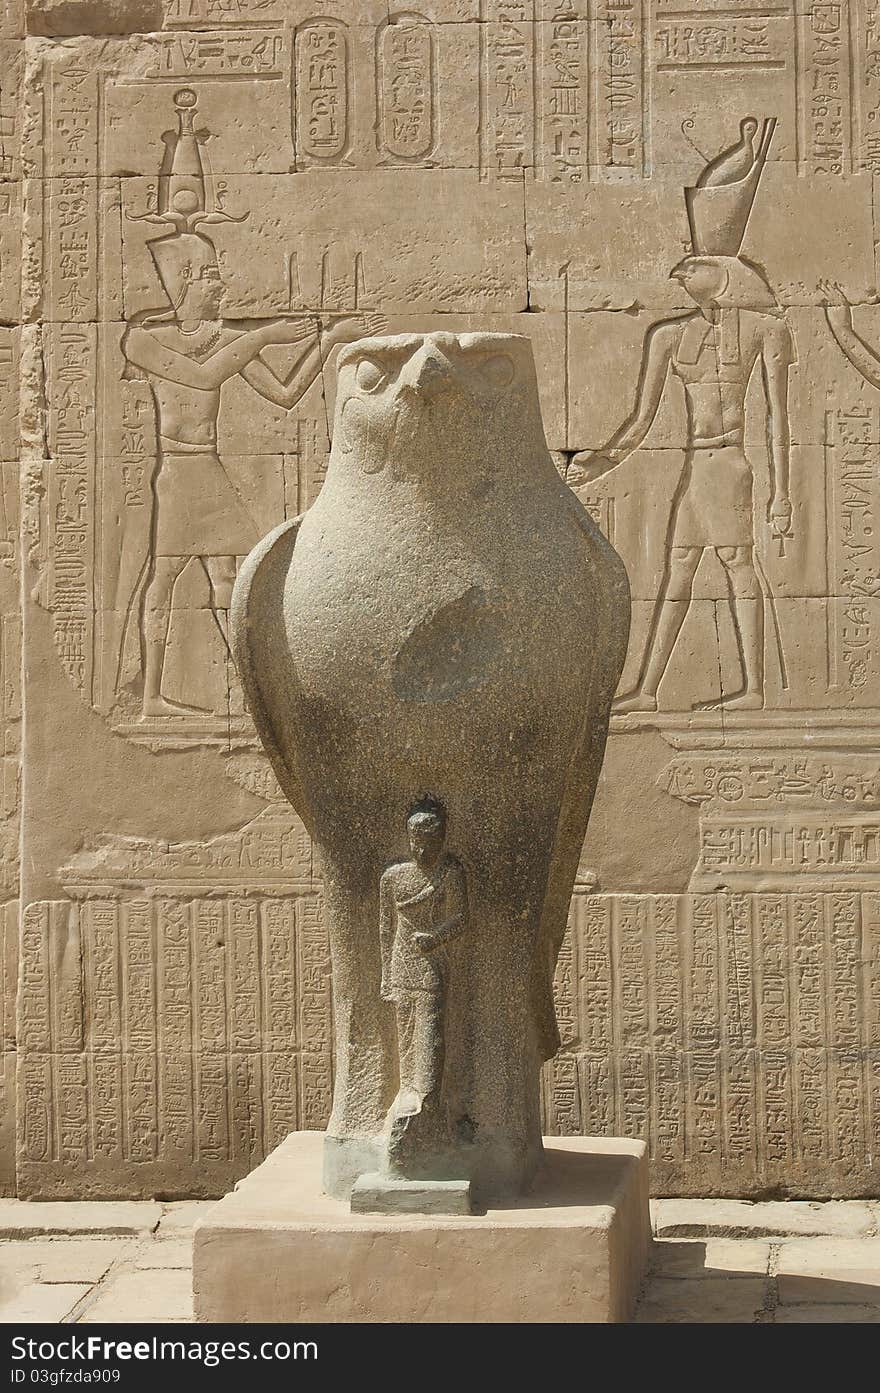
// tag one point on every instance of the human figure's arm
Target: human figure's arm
(287, 391)
(455, 923)
(838, 312)
(777, 356)
(142, 348)
(387, 927)
(656, 357)
(284, 391)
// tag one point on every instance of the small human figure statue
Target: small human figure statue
(422, 908)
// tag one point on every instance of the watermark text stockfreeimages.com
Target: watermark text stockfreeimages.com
(98, 1349)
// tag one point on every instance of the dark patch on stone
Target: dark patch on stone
(66, 18)
(449, 653)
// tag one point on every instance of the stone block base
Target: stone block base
(574, 1249)
(376, 1194)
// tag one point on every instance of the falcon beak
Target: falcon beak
(429, 373)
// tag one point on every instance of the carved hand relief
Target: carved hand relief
(673, 200)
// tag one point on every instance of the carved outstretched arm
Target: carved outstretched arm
(656, 357)
(862, 357)
(285, 391)
(143, 349)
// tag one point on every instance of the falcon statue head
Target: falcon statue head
(408, 402)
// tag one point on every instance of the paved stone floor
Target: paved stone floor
(774, 1263)
(714, 1260)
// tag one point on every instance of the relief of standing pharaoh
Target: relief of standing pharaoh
(714, 351)
(186, 354)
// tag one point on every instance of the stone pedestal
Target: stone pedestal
(575, 1249)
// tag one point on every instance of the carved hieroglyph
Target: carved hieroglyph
(528, 166)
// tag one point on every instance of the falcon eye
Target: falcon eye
(498, 371)
(370, 376)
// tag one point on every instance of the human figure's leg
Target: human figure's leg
(747, 609)
(417, 1121)
(164, 571)
(221, 574)
(406, 1052)
(669, 614)
(429, 1047)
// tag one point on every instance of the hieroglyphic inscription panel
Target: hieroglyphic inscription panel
(172, 1037)
(157, 1093)
(674, 200)
(743, 1042)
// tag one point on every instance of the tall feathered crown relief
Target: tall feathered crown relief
(720, 204)
(187, 199)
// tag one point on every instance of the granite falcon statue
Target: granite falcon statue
(446, 620)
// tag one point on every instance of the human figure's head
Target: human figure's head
(189, 270)
(203, 297)
(426, 828)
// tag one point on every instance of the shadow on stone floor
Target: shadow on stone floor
(785, 1280)
(818, 1280)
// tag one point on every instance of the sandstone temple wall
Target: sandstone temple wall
(510, 164)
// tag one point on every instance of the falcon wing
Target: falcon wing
(610, 588)
(258, 641)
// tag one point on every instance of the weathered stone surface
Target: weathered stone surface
(61, 1259)
(715, 1299)
(831, 1270)
(469, 167)
(379, 1194)
(138, 1296)
(736, 1219)
(38, 1303)
(278, 1248)
(60, 17)
(674, 1262)
(715, 1257)
(164, 1253)
(29, 1220)
(178, 1217)
(827, 1315)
